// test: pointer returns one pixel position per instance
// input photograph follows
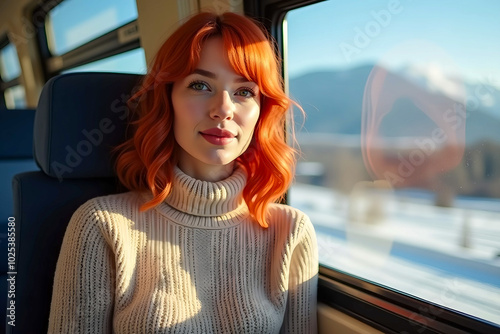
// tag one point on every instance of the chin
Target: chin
(223, 162)
(220, 160)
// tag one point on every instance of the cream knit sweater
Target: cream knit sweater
(194, 264)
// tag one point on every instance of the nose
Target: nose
(223, 107)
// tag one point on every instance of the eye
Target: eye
(198, 85)
(245, 92)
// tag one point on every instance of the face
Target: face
(215, 112)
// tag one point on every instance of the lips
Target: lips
(218, 136)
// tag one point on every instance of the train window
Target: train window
(10, 72)
(76, 22)
(15, 97)
(400, 171)
(9, 63)
(133, 61)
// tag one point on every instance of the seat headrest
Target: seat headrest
(16, 137)
(80, 118)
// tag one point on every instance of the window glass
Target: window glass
(75, 22)
(9, 63)
(15, 97)
(133, 61)
(400, 171)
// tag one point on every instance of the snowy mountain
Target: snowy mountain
(333, 102)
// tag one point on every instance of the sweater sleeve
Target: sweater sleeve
(301, 314)
(82, 297)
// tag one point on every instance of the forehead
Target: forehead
(213, 53)
(218, 57)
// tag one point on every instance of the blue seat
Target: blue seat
(16, 153)
(79, 119)
(16, 156)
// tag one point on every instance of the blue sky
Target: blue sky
(463, 35)
(75, 22)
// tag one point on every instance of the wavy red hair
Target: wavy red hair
(147, 159)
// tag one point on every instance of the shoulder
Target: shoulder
(115, 201)
(287, 216)
(105, 210)
(283, 211)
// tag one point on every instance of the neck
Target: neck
(216, 201)
(205, 172)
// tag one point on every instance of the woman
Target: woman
(197, 245)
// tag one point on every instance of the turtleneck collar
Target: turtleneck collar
(206, 204)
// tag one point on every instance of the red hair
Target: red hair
(147, 159)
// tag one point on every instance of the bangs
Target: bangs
(250, 55)
(247, 48)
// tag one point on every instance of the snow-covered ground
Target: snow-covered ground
(449, 256)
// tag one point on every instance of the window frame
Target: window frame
(385, 309)
(110, 44)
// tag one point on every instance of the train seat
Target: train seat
(79, 119)
(16, 156)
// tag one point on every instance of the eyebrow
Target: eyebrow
(214, 76)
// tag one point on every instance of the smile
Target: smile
(218, 136)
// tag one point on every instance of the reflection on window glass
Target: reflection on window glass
(9, 63)
(75, 22)
(15, 97)
(401, 146)
(133, 61)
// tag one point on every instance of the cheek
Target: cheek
(184, 106)
(249, 121)
(250, 118)
(187, 111)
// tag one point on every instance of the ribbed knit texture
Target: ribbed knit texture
(195, 264)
